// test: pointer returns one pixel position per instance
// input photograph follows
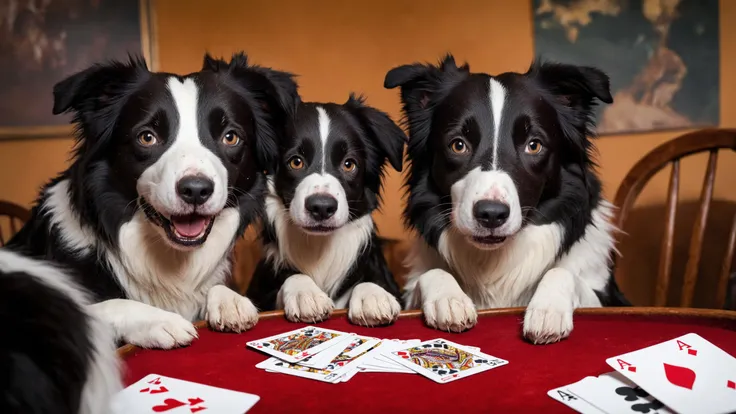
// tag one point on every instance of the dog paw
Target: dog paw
(228, 311)
(165, 330)
(371, 305)
(452, 313)
(310, 306)
(546, 326)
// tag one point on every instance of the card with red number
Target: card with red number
(159, 394)
(688, 374)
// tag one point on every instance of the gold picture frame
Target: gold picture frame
(148, 49)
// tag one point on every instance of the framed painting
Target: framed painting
(662, 57)
(42, 42)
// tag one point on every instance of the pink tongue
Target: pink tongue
(189, 226)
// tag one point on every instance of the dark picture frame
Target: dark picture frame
(42, 47)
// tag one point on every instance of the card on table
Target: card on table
(688, 374)
(613, 393)
(342, 365)
(159, 394)
(444, 361)
(299, 344)
(356, 343)
(567, 397)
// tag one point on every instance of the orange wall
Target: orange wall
(339, 46)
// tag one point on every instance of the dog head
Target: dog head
(182, 148)
(332, 161)
(494, 149)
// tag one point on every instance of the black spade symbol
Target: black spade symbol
(442, 372)
(452, 371)
(426, 346)
(481, 361)
(279, 364)
(266, 344)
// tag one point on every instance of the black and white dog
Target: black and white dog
(503, 193)
(320, 244)
(55, 357)
(168, 172)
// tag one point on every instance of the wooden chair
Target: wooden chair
(16, 217)
(710, 140)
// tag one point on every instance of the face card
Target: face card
(443, 361)
(322, 359)
(567, 397)
(688, 374)
(613, 393)
(159, 394)
(298, 344)
(338, 367)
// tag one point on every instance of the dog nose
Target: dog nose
(195, 189)
(321, 206)
(491, 214)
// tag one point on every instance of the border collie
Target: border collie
(320, 244)
(168, 172)
(55, 357)
(503, 194)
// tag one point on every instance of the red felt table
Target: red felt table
(222, 360)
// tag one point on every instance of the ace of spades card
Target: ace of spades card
(296, 345)
(444, 361)
(688, 374)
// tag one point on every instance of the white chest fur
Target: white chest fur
(508, 276)
(326, 259)
(145, 266)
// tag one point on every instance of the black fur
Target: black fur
(359, 133)
(552, 102)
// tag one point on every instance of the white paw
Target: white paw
(371, 305)
(229, 311)
(546, 326)
(164, 330)
(451, 313)
(311, 306)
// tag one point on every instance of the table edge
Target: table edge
(125, 350)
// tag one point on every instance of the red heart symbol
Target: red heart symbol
(169, 404)
(730, 384)
(405, 356)
(305, 353)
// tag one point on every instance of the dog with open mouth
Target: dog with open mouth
(503, 194)
(321, 249)
(168, 172)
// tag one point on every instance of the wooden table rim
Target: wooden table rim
(126, 350)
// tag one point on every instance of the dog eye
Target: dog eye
(296, 163)
(534, 147)
(349, 165)
(147, 139)
(458, 146)
(231, 139)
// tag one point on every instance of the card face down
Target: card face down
(688, 374)
(298, 344)
(444, 361)
(159, 394)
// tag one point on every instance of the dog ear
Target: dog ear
(276, 95)
(576, 86)
(97, 86)
(381, 129)
(213, 64)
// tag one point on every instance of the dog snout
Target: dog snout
(321, 206)
(491, 214)
(195, 189)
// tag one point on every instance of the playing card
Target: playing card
(613, 393)
(323, 358)
(444, 361)
(341, 365)
(567, 397)
(298, 344)
(688, 374)
(159, 394)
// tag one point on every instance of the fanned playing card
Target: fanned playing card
(567, 397)
(613, 393)
(688, 374)
(159, 394)
(298, 344)
(342, 365)
(444, 361)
